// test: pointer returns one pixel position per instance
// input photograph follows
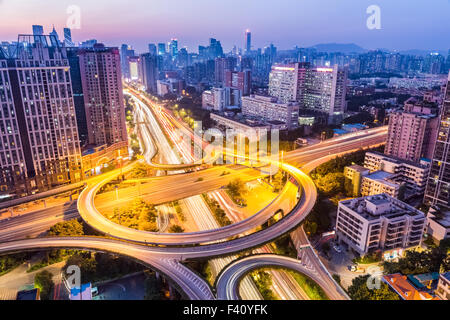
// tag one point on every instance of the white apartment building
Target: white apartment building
(269, 109)
(413, 175)
(286, 81)
(379, 222)
(379, 182)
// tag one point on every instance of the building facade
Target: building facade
(379, 222)
(412, 132)
(438, 187)
(39, 143)
(103, 95)
(269, 109)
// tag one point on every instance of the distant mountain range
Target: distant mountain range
(339, 47)
(354, 48)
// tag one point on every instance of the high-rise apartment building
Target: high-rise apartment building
(103, 95)
(286, 81)
(412, 132)
(325, 91)
(270, 109)
(221, 66)
(438, 188)
(39, 144)
(239, 80)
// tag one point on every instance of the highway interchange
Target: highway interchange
(164, 252)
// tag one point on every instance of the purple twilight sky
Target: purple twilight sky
(405, 24)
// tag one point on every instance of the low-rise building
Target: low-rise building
(405, 289)
(438, 224)
(379, 222)
(380, 182)
(443, 289)
(413, 175)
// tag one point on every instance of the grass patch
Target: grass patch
(312, 289)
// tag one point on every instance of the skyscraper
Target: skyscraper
(39, 138)
(38, 30)
(152, 48)
(103, 95)
(173, 48)
(149, 72)
(68, 38)
(438, 188)
(161, 49)
(125, 53)
(248, 41)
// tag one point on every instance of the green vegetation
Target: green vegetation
(284, 246)
(319, 221)
(176, 229)
(138, 215)
(414, 262)
(97, 267)
(44, 282)
(10, 262)
(337, 278)
(71, 228)
(263, 281)
(236, 190)
(153, 287)
(278, 181)
(312, 289)
(361, 117)
(140, 171)
(360, 291)
(218, 212)
(179, 211)
(369, 258)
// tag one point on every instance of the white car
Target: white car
(337, 249)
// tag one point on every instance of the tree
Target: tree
(71, 228)
(141, 170)
(416, 262)
(44, 282)
(331, 184)
(359, 290)
(176, 229)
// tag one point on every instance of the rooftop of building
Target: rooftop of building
(28, 294)
(248, 121)
(358, 168)
(398, 160)
(441, 217)
(446, 276)
(373, 207)
(400, 284)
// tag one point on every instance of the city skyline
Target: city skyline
(194, 23)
